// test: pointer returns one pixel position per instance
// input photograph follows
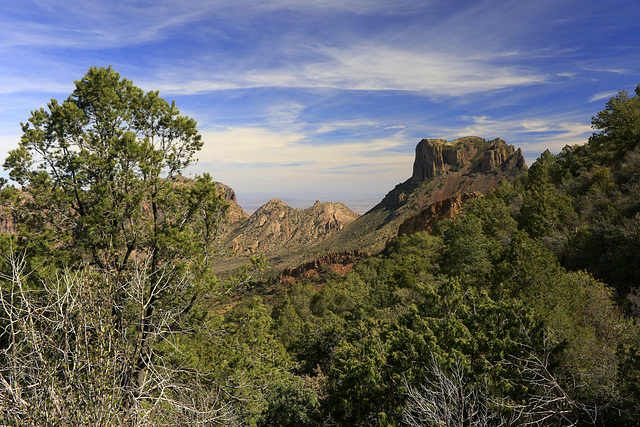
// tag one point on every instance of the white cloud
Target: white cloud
(602, 95)
(7, 143)
(373, 67)
(97, 24)
(331, 126)
(530, 134)
(260, 147)
(253, 159)
(610, 70)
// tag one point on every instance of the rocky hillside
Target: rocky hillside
(446, 176)
(441, 170)
(429, 217)
(280, 231)
(235, 211)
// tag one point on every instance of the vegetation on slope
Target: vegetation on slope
(502, 316)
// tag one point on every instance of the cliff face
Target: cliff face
(463, 165)
(504, 157)
(436, 157)
(235, 212)
(441, 170)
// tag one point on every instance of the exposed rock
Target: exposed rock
(436, 156)
(235, 212)
(427, 218)
(502, 156)
(342, 259)
(460, 164)
(441, 170)
(278, 228)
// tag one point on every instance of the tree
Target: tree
(63, 361)
(619, 126)
(100, 177)
(102, 195)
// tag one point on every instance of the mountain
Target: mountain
(446, 175)
(441, 170)
(288, 236)
(281, 232)
(235, 212)
(276, 227)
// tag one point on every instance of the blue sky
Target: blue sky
(306, 100)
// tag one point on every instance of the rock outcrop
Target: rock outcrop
(429, 217)
(502, 156)
(339, 262)
(235, 212)
(437, 156)
(441, 170)
(278, 228)
(466, 164)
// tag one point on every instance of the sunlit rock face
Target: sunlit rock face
(276, 227)
(436, 157)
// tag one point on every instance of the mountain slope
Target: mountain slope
(282, 233)
(289, 237)
(441, 170)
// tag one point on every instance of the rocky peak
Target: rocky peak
(462, 165)
(274, 203)
(502, 156)
(276, 227)
(235, 212)
(437, 156)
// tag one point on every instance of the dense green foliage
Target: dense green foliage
(111, 254)
(522, 311)
(511, 303)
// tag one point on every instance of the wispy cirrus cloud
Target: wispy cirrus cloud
(244, 157)
(602, 95)
(609, 70)
(332, 94)
(95, 24)
(372, 67)
(531, 134)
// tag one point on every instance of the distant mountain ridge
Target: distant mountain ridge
(288, 236)
(276, 227)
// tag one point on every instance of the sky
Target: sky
(326, 100)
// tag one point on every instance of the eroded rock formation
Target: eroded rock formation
(342, 261)
(235, 212)
(276, 227)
